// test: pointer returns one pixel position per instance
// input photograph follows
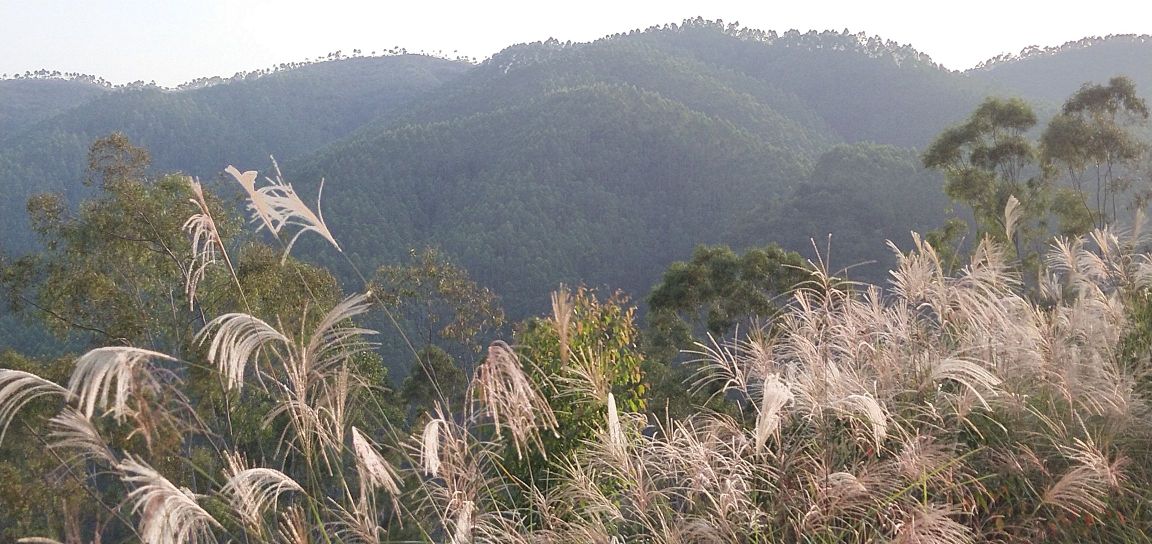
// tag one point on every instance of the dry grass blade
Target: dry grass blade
(17, 389)
(510, 398)
(168, 514)
(252, 490)
(92, 380)
(238, 338)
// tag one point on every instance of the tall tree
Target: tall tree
(1093, 141)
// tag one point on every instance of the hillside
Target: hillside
(598, 162)
(1051, 74)
(25, 102)
(201, 130)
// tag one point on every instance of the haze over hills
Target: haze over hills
(598, 162)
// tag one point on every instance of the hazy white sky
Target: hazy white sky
(172, 41)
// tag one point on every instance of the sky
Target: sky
(174, 41)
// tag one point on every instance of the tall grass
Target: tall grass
(942, 409)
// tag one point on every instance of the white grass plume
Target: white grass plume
(430, 445)
(277, 206)
(70, 430)
(17, 389)
(205, 239)
(510, 398)
(775, 396)
(334, 340)
(374, 468)
(252, 491)
(239, 337)
(931, 524)
(92, 379)
(1083, 489)
(168, 515)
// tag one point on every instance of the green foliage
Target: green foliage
(986, 161)
(1094, 142)
(586, 350)
(718, 290)
(437, 300)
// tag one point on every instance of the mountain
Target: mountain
(596, 162)
(200, 130)
(27, 101)
(1051, 74)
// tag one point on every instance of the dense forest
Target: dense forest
(697, 282)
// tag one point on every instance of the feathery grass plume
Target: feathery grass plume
(251, 491)
(1083, 489)
(72, 431)
(38, 540)
(562, 319)
(720, 363)
(91, 380)
(205, 239)
(970, 374)
(1012, 214)
(333, 340)
(238, 338)
(510, 398)
(168, 514)
(775, 396)
(463, 523)
(869, 408)
(615, 431)
(374, 469)
(278, 206)
(17, 389)
(257, 205)
(293, 527)
(318, 381)
(933, 524)
(430, 445)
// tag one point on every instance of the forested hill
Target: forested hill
(27, 101)
(201, 130)
(603, 162)
(1051, 74)
(598, 162)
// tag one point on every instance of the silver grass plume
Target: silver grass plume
(252, 491)
(430, 445)
(168, 514)
(1084, 488)
(374, 469)
(17, 389)
(775, 396)
(931, 524)
(70, 430)
(278, 206)
(92, 379)
(238, 338)
(205, 239)
(510, 398)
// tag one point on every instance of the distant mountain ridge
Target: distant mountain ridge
(598, 162)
